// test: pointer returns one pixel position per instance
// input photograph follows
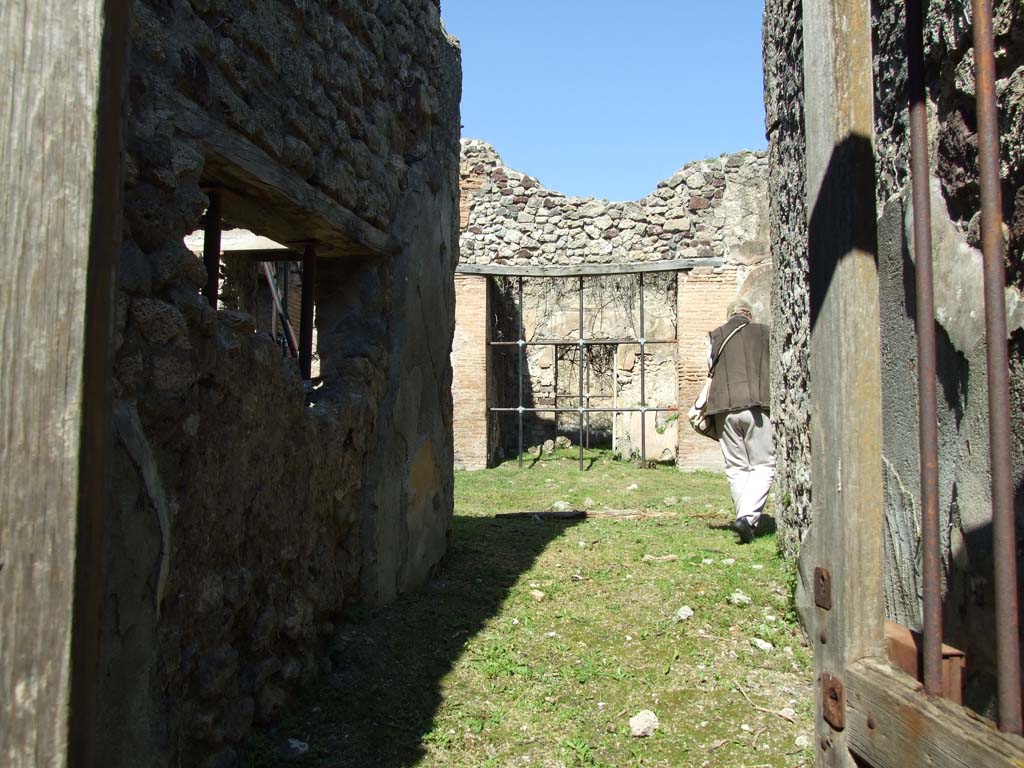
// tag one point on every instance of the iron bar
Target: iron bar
(522, 345)
(556, 390)
(1003, 524)
(592, 409)
(211, 248)
(306, 319)
(590, 270)
(587, 398)
(583, 350)
(283, 290)
(926, 376)
(289, 332)
(588, 342)
(643, 382)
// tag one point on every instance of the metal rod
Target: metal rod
(556, 390)
(592, 409)
(582, 349)
(643, 382)
(287, 273)
(522, 346)
(615, 396)
(306, 319)
(1003, 524)
(588, 342)
(588, 397)
(211, 248)
(928, 440)
(289, 332)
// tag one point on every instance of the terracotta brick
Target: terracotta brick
(704, 295)
(470, 371)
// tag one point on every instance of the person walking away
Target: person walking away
(739, 401)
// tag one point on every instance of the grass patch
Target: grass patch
(540, 638)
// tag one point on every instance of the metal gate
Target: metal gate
(583, 408)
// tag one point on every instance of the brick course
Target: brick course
(470, 371)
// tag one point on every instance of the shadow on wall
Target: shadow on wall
(378, 706)
(838, 202)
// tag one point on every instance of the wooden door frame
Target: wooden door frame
(866, 712)
(61, 139)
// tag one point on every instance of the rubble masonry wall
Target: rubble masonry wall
(248, 514)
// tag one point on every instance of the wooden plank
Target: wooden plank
(60, 146)
(309, 258)
(892, 723)
(586, 270)
(258, 192)
(234, 241)
(211, 249)
(846, 437)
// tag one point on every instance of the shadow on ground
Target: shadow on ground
(380, 701)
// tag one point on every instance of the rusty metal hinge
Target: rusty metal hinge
(833, 701)
(823, 588)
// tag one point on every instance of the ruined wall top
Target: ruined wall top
(716, 207)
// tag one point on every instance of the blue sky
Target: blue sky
(607, 98)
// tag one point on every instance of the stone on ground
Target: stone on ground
(643, 724)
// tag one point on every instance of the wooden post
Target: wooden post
(60, 146)
(306, 320)
(843, 553)
(211, 248)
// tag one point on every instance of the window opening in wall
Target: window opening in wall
(263, 279)
(272, 283)
(586, 363)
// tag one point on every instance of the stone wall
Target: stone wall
(964, 503)
(715, 208)
(247, 513)
(791, 333)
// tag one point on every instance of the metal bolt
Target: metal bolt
(823, 636)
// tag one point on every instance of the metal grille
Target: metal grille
(583, 408)
(1007, 638)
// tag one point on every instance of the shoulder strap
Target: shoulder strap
(721, 349)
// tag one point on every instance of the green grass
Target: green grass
(476, 671)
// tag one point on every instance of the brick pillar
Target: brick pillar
(471, 371)
(704, 295)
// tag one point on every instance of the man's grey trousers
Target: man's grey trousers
(749, 451)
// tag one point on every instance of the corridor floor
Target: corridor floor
(541, 638)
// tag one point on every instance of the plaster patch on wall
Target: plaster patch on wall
(958, 278)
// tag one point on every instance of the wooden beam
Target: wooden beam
(892, 723)
(586, 270)
(306, 320)
(845, 540)
(211, 249)
(258, 192)
(61, 125)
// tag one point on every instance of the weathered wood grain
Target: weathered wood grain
(892, 723)
(845, 381)
(60, 144)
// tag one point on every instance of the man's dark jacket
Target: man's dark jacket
(742, 376)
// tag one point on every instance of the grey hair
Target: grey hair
(740, 307)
